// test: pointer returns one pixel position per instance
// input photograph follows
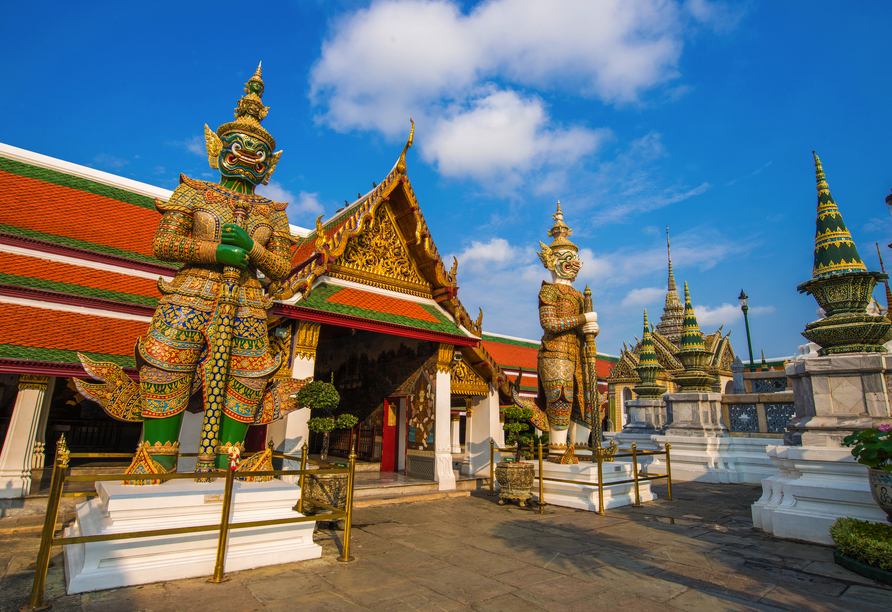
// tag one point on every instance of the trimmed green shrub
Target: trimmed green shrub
(870, 543)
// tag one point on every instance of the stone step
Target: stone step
(387, 499)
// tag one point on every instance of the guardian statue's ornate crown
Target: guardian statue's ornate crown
(559, 232)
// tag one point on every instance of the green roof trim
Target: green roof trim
(82, 244)
(34, 353)
(75, 182)
(48, 285)
(500, 340)
(317, 299)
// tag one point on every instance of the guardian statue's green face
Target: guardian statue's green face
(244, 157)
(567, 264)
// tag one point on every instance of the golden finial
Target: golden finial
(62, 452)
(819, 173)
(401, 164)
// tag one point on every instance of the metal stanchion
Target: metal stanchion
(668, 471)
(348, 524)
(600, 480)
(492, 471)
(303, 468)
(541, 482)
(635, 472)
(224, 527)
(49, 527)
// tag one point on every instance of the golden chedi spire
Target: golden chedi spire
(670, 325)
(691, 336)
(648, 368)
(835, 251)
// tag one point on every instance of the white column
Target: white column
(443, 473)
(17, 457)
(456, 434)
(484, 427)
(290, 434)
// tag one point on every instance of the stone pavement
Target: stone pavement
(698, 553)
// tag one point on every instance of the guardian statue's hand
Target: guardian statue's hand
(236, 236)
(232, 256)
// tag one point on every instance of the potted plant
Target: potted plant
(330, 489)
(863, 547)
(322, 397)
(515, 477)
(873, 448)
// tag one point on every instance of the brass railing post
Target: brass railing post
(60, 465)
(224, 527)
(635, 472)
(541, 482)
(600, 480)
(303, 468)
(492, 472)
(669, 471)
(348, 524)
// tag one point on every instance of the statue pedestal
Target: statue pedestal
(572, 495)
(181, 503)
(646, 418)
(701, 447)
(820, 481)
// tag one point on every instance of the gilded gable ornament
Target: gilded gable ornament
(377, 254)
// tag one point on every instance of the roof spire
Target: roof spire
(692, 338)
(669, 253)
(835, 251)
(670, 325)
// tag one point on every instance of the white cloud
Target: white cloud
(194, 144)
(464, 77)
(725, 314)
(644, 296)
(719, 16)
(303, 208)
(501, 133)
(109, 161)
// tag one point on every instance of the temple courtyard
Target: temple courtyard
(698, 552)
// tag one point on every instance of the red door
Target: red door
(388, 438)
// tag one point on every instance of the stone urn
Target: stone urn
(515, 482)
(330, 489)
(881, 489)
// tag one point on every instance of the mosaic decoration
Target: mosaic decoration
(210, 330)
(778, 415)
(841, 285)
(692, 353)
(649, 367)
(769, 385)
(465, 381)
(744, 418)
(421, 414)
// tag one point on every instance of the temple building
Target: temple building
(369, 304)
(666, 336)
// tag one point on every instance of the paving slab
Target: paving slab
(696, 553)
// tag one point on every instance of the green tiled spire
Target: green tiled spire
(647, 355)
(835, 252)
(691, 338)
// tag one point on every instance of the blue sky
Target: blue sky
(635, 114)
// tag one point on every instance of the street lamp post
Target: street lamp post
(743, 306)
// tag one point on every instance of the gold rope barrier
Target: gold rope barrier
(60, 477)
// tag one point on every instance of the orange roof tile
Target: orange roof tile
(53, 329)
(381, 303)
(33, 267)
(508, 355)
(63, 211)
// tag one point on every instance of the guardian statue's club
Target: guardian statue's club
(209, 336)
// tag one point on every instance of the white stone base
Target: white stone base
(571, 495)
(182, 503)
(715, 459)
(814, 486)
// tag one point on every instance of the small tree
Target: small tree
(515, 424)
(322, 397)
